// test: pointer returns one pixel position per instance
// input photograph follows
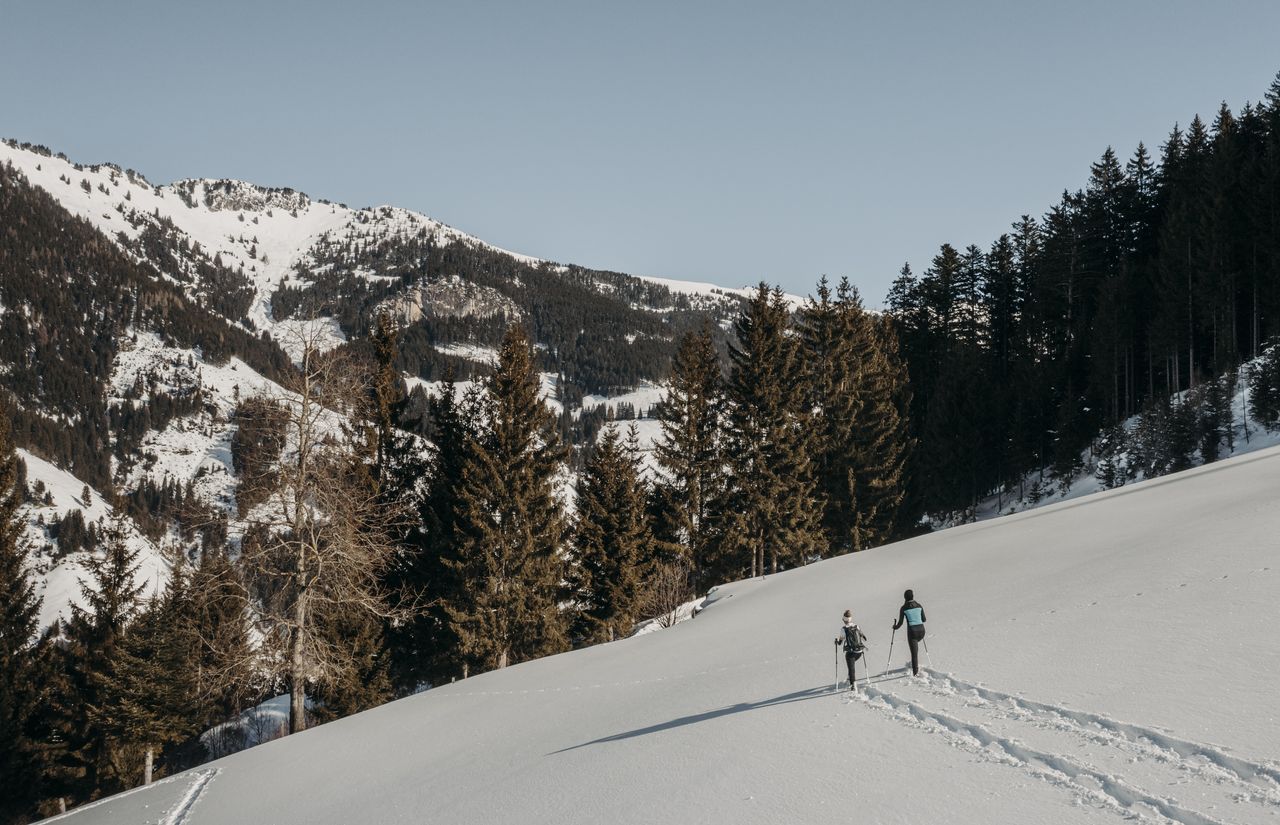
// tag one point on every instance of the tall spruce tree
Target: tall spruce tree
(690, 454)
(149, 696)
(424, 648)
(855, 384)
(510, 522)
(611, 542)
(19, 612)
(111, 600)
(773, 509)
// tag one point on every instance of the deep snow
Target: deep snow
(1104, 658)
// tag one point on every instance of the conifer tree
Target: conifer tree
(690, 453)
(366, 682)
(1264, 388)
(111, 600)
(611, 543)
(509, 523)
(854, 384)
(424, 648)
(149, 695)
(774, 512)
(19, 611)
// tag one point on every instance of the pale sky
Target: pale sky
(717, 141)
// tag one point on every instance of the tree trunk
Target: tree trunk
(146, 771)
(297, 678)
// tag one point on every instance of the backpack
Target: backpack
(853, 639)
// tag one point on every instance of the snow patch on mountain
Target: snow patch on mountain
(471, 352)
(58, 493)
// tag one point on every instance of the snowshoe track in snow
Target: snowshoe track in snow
(1132, 770)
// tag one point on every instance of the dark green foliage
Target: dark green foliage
(1165, 438)
(1264, 389)
(509, 524)
(111, 601)
(70, 533)
(425, 570)
(1154, 279)
(857, 387)
(1112, 468)
(691, 454)
(772, 509)
(223, 659)
(610, 545)
(1214, 416)
(366, 681)
(255, 449)
(148, 696)
(20, 774)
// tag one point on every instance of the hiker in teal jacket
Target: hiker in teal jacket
(913, 614)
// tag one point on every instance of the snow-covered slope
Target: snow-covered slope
(270, 232)
(273, 234)
(1102, 659)
(60, 577)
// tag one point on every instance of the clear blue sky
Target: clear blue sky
(728, 142)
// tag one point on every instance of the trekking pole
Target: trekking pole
(926, 653)
(835, 686)
(890, 659)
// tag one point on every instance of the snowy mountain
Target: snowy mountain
(1099, 660)
(276, 236)
(263, 263)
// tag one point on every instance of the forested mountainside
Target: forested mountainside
(273, 446)
(72, 299)
(261, 258)
(1141, 294)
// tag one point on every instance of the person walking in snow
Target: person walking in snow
(913, 614)
(854, 641)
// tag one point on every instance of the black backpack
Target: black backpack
(853, 639)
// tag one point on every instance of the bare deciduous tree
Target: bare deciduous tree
(322, 537)
(668, 591)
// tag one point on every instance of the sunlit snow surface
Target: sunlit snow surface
(1105, 659)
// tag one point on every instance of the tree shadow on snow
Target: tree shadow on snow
(799, 696)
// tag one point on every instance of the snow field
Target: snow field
(1099, 660)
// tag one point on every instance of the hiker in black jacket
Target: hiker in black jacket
(913, 614)
(854, 641)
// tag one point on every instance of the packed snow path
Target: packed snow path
(1103, 660)
(1136, 771)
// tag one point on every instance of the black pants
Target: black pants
(851, 656)
(915, 635)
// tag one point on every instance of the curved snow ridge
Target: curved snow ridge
(1261, 777)
(1108, 790)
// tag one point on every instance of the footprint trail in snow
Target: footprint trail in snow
(1134, 771)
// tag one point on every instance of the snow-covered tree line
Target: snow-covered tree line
(380, 556)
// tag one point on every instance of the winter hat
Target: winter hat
(848, 617)
(908, 595)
